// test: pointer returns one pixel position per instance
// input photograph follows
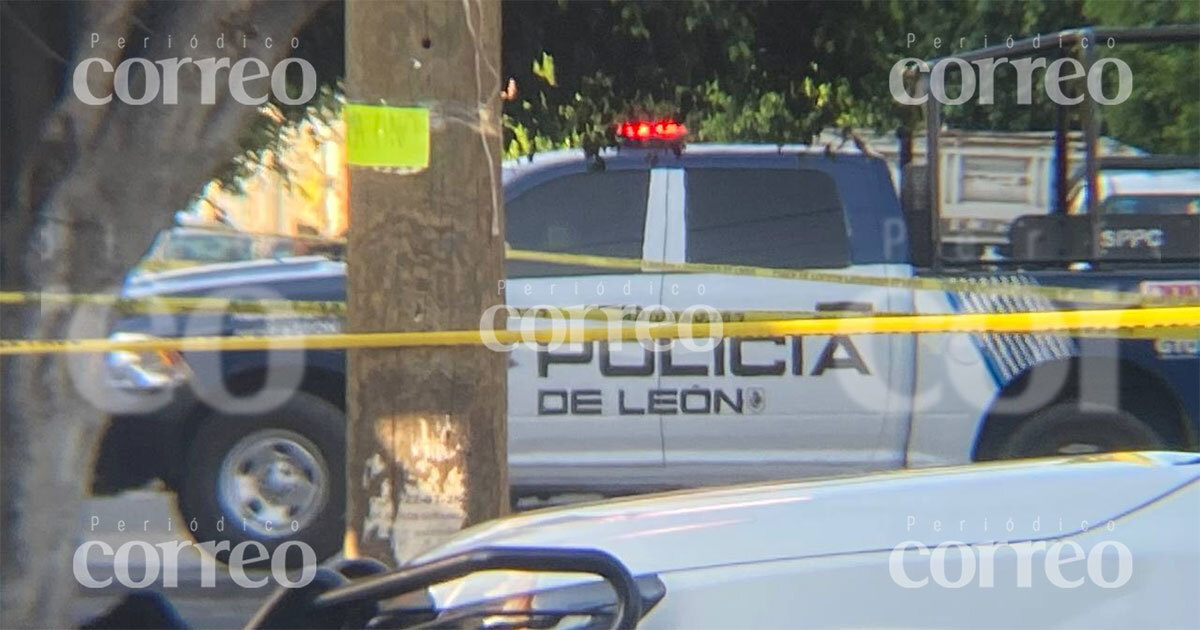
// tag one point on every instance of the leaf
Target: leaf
(545, 69)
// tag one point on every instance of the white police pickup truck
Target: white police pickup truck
(597, 417)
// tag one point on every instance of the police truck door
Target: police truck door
(570, 405)
(784, 405)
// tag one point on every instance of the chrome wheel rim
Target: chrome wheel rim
(274, 482)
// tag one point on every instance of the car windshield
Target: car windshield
(1152, 204)
(208, 248)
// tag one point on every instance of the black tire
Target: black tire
(1072, 428)
(305, 429)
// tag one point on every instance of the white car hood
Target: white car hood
(1037, 499)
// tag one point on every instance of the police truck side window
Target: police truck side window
(602, 214)
(766, 218)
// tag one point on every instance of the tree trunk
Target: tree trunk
(427, 440)
(87, 199)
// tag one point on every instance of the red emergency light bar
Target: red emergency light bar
(652, 130)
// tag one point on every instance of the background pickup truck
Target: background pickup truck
(257, 436)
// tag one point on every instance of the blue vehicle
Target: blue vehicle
(258, 437)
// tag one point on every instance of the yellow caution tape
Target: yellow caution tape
(386, 137)
(1029, 322)
(970, 285)
(660, 315)
(978, 285)
(172, 304)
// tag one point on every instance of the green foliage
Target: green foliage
(544, 69)
(784, 71)
(1162, 114)
(725, 69)
(974, 24)
(775, 72)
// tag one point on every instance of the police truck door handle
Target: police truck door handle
(855, 307)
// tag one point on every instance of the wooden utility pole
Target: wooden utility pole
(427, 440)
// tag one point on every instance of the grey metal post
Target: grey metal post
(933, 123)
(1062, 158)
(1091, 147)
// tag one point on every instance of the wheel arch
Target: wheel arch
(1141, 392)
(323, 382)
